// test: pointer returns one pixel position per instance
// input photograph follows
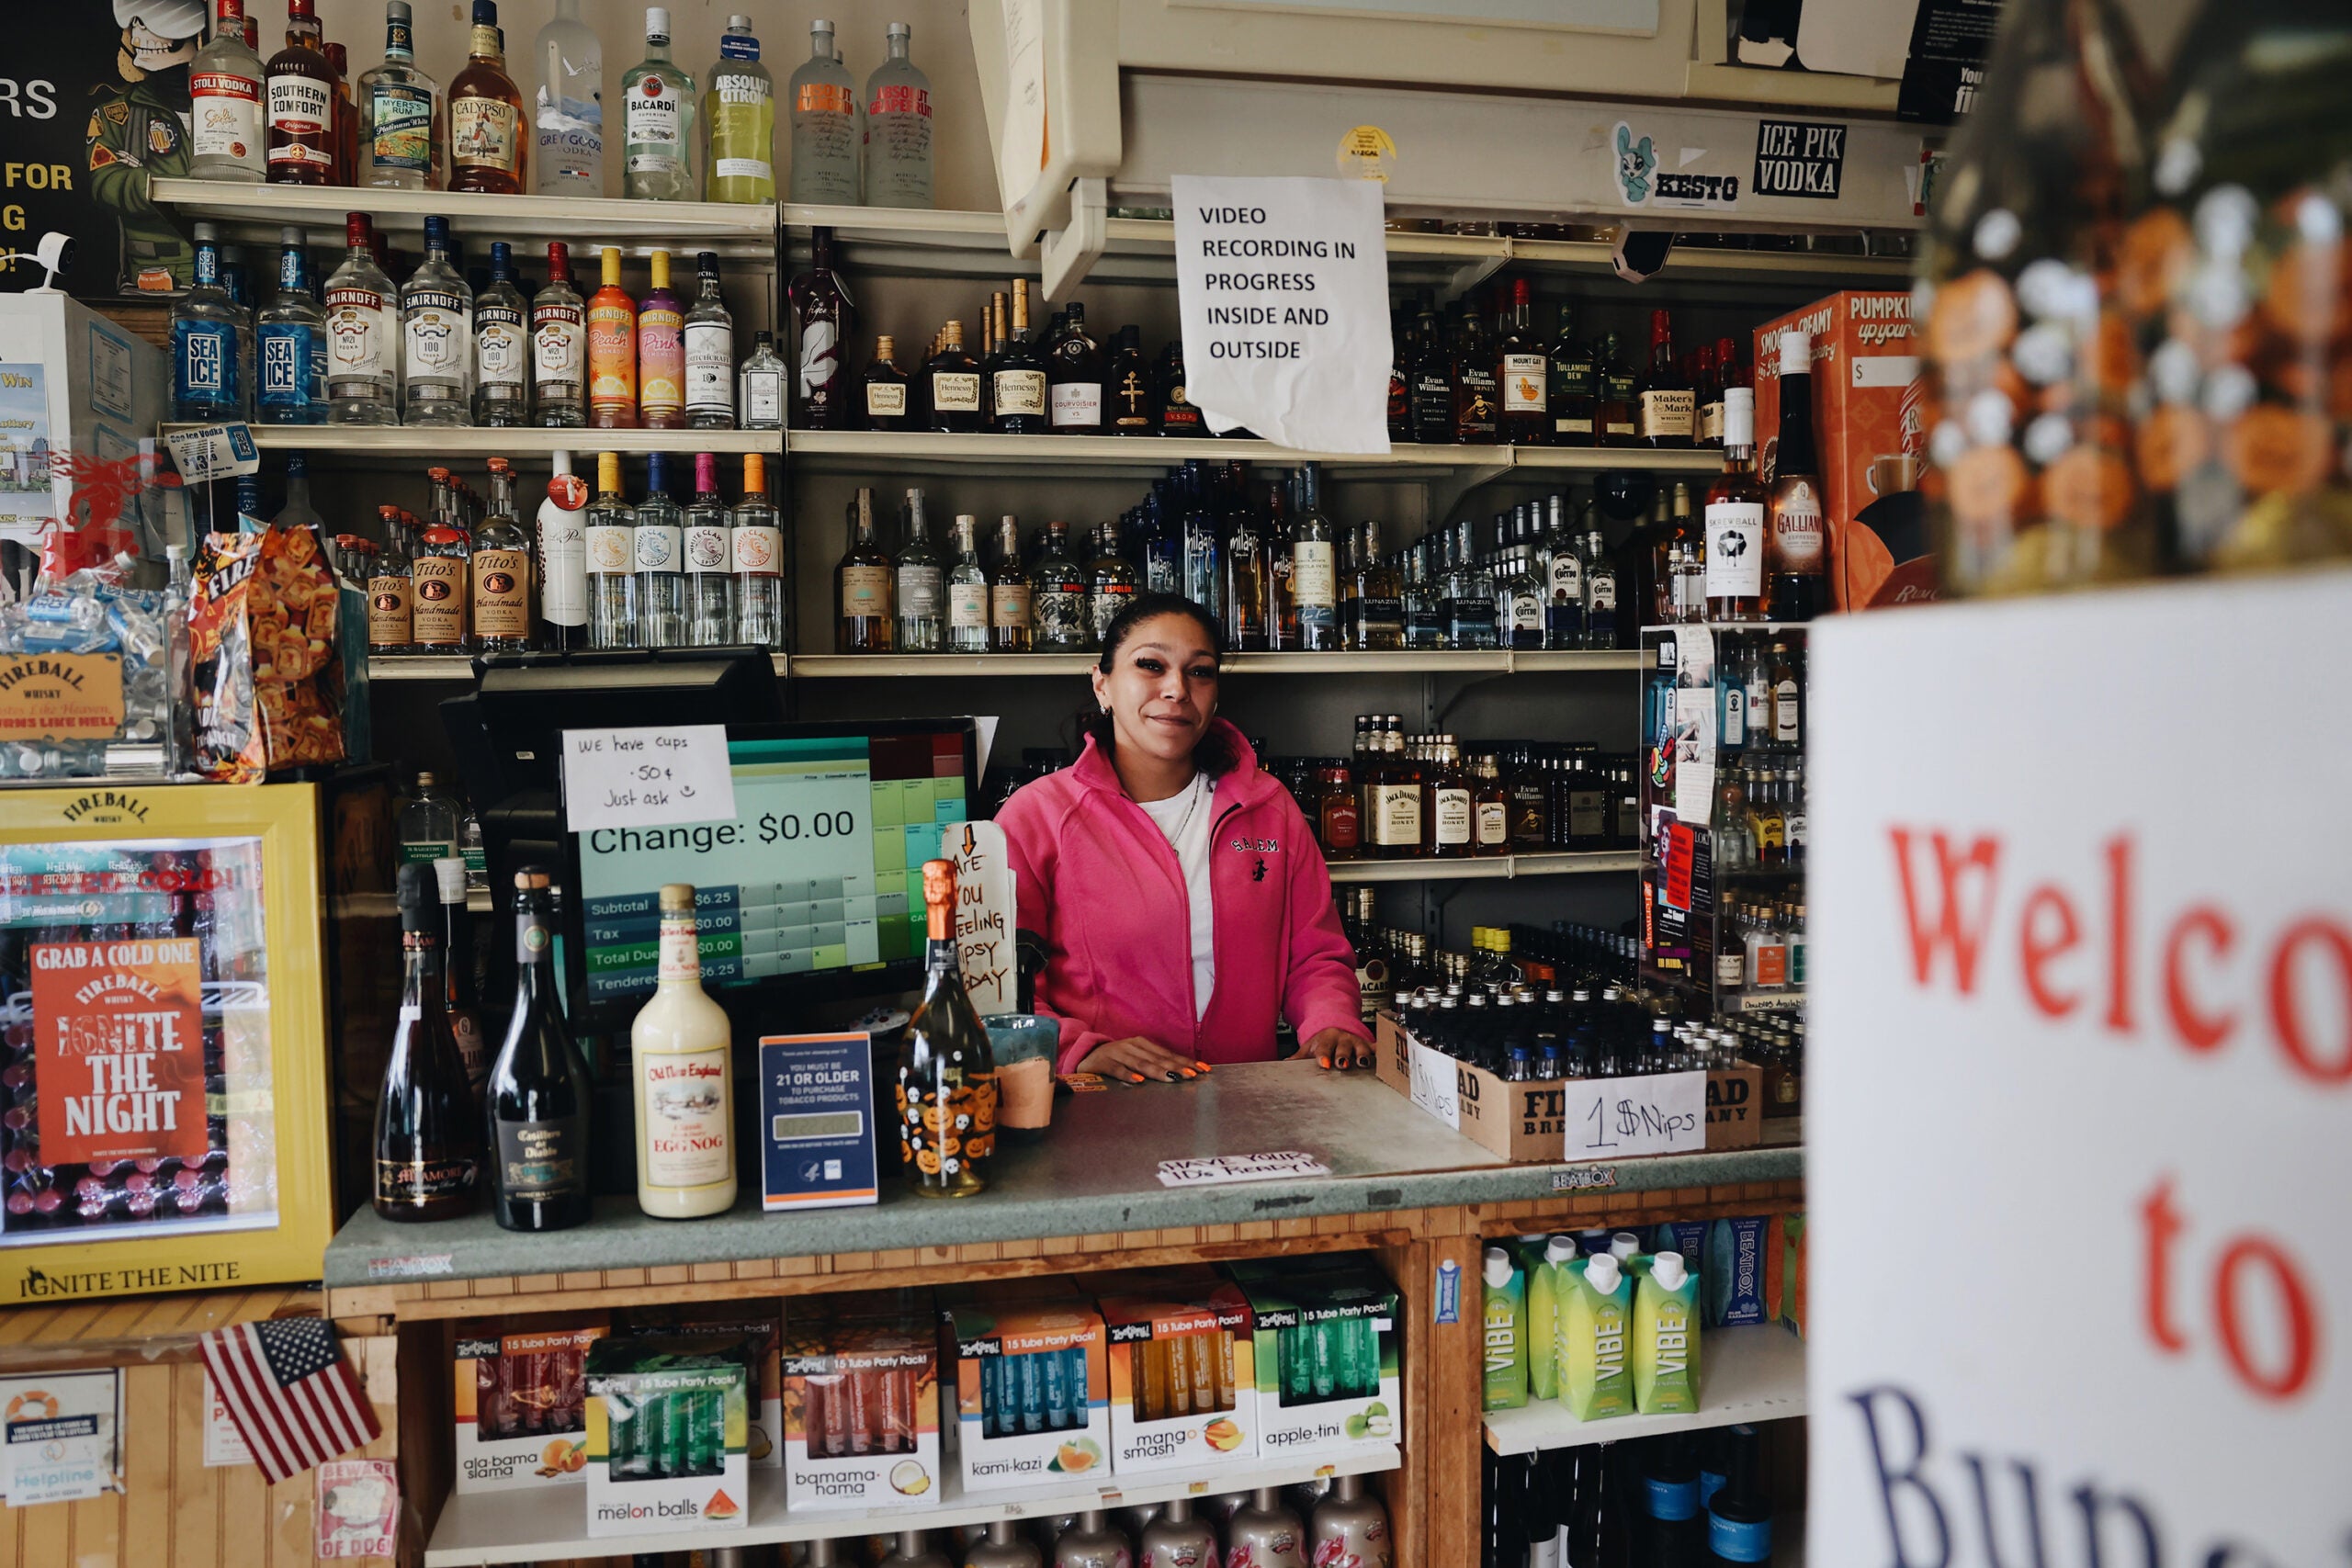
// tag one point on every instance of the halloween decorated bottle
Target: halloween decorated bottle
(947, 1073)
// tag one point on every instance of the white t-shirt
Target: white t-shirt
(1186, 817)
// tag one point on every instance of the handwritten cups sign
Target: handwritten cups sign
(647, 777)
(121, 1050)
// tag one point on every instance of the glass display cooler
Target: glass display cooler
(1723, 814)
(163, 1085)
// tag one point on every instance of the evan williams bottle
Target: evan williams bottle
(946, 1072)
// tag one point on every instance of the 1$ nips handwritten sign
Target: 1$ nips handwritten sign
(1658, 1113)
(2079, 1071)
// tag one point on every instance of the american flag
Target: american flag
(296, 1401)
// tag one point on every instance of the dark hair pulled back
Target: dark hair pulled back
(1215, 755)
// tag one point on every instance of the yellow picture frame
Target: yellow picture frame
(135, 1259)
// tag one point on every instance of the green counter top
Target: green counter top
(1097, 1171)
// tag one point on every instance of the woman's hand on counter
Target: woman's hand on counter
(1338, 1048)
(1138, 1060)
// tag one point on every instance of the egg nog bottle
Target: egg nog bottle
(686, 1158)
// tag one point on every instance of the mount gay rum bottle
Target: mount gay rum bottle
(685, 1099)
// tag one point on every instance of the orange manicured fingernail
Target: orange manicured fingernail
(1135, 1077)
(1202, 1066)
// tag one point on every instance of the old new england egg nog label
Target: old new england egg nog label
(685, 1117)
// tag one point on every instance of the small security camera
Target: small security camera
(1641, 251)
(55, 253)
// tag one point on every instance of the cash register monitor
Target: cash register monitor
(812, 889)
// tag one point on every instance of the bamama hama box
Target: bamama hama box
(861, 1406)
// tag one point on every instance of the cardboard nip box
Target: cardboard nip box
(860, 1401)
(1031, 1386)
(520, 1403)
(756, 1323)
(1325, 1354)
(667, 1419)
(1183, 1363)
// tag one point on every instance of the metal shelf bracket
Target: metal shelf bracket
(1071, 252)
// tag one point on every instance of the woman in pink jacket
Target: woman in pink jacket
(1181, 901)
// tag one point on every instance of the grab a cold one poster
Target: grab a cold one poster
(1282, 287)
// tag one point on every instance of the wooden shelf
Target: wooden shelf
(424, 444)
(746, 232)
(1001, 666)
(868, 451)
(1755, 1373)
(551, 1522)
(1561, 863)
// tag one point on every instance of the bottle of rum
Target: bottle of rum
(559, 345)
(487, 146)
(760, 618)
(225, 83)
(428, 1127)
(681, 1041)
(537, 1099)
(1524, 371)
(611, 351)
(300, 99)
(865, 621)
(1796, 542)
(658, 120)
(947, 1088)
(502, 569)
(1666, 407)
(1735, 519)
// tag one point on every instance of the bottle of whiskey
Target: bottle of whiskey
(1573, 390)
(428, 1132)
(1018, 381)
(947, 1089)
(1315, 567)
(1433, 374)
(1735, 519)
(1667, 408)
(681, 1043)
(487, 148)
(886, 387)
(1475, 395)
(1524, 371)
(1796, 548)
(300, 104)
(538, 1094)
(864, 620)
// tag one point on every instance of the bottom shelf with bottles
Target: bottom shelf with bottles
(551, 1522)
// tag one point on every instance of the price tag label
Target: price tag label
(213, 452)
(1662, 1113)
(1436, 1088)
(645, 778)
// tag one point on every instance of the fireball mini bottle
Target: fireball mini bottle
(686, 1158)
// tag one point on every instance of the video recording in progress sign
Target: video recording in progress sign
(1283, 288)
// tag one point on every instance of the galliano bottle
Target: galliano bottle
(948, 1086)
(685, 1097)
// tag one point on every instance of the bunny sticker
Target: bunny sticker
(1637, 163)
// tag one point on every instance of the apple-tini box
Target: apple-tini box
(1184, 1385)
(861, 1408)
(1325, 1354)
(520, 1399)
(1030, 1389)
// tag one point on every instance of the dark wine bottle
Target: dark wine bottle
(537, 1093)
(1739, 1517)
(457, 956)
(1669, 1487)
(947, 1071)
(428, 1146)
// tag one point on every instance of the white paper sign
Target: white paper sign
(223, 1444)
(213, 452)
(2079, 1076)
(643, 778)
(1436, 1087)
(58, 1435)
(984, 914)
(1239, 1167)
(1282, 287)
(1658, 1113)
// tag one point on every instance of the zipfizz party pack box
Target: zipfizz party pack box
(1325, 1354)
(1032, 1386)
(757, 1321)
(519, 1401)
(1183, 1385)
(667, 1419)
(860, 1401)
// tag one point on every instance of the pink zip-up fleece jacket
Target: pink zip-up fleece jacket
(1099, 883)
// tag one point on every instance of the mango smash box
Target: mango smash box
(1325, 1354)
(1182, 1364)
(668, 1416)
(519, 1401)
(861, 1406)
(1031, 1385)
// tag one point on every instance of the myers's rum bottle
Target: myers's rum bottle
(428, 1140)
(946, 1072)
(538, 1094)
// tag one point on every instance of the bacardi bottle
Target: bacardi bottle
(658, 120)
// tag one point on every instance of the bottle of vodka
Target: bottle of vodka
(225, 89)
(290, 343)
(739, 119)
(363, 336)
(710, 351)
(568, 105)
(658, 120)
(660, 561)
(824, 125)
(559, 345)
(502, 346)
(611, 560)
(212, 343)
(897, 129)
(758, 540)
(710, 561)
(436, 337)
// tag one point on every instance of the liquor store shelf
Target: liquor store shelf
(423, 445)
(260, 210)
(885, 666)
(1097, 1172)
(550, 1522)
(1755, 1373)
(1561, 863)
(861, 451)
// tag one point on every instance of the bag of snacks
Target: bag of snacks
(269, 680)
